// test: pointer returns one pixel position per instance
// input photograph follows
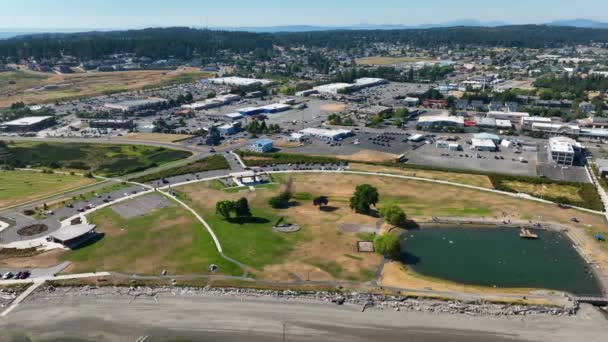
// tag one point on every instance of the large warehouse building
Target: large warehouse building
(239, 81)
(131, 105)
(28, 124)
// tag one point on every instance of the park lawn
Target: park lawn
(165, 239)
(317, 252)
(22, 186)
(104, 159)
(481, 181)
(420, 198)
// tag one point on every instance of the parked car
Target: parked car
(24, 275)
(7, 275)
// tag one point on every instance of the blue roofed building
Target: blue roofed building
(261, 145)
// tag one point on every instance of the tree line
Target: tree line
(187, 43)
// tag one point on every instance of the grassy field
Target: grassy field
(461, 178)
(317, 252)
(166, 239)
(108, 160)
(23, 85)
(22, 186)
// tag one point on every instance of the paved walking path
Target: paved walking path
(37, 282)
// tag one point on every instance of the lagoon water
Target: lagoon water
(499, 257)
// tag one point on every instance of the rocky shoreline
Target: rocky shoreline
(363, 300)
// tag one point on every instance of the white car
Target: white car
(7, 275)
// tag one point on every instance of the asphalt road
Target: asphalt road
(170, 318)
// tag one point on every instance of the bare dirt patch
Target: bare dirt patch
(41, 260)
(333, 107)
(156, 137)
(369, 156)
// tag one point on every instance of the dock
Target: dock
(526, 233)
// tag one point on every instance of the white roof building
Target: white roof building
(327, 134)
(332, 88)
(27, 121)
(239, 81)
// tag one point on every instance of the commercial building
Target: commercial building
(239, 81)
(514, 117)
(229, 128)
(261, 145)
(452, 146)
(340, 88)
(527, 122)
(332, 88)
(267, 109)
(483, 145)
(112, 123)
(563, 129)
(440, 121)
(212, 103)
(487, 136)
(28, 124)
(563, 150)
(326, 134)
(132, 105)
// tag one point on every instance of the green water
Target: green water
(498, 257)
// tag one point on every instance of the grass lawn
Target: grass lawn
(104, 159)
(166, 239)
(461, 178)
(22, 186)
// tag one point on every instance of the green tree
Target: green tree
(320, 201)
(280, 202)
(224, 208)
(387, 245)
(364, 197)
(393, 214)
(241, 208)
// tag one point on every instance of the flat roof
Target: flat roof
(27, 121)
(440, 118)
(72, 232)
(563, 145)
(329, 133)
(483, 143)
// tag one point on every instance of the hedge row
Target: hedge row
(216, 162)
(284, 158)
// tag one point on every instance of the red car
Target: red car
(24, 275)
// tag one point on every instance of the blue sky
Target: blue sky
(145, 13)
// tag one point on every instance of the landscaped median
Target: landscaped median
(216, 162)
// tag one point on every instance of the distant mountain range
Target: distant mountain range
(584, 23)
(581, 23)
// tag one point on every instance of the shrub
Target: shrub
(387, 245)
